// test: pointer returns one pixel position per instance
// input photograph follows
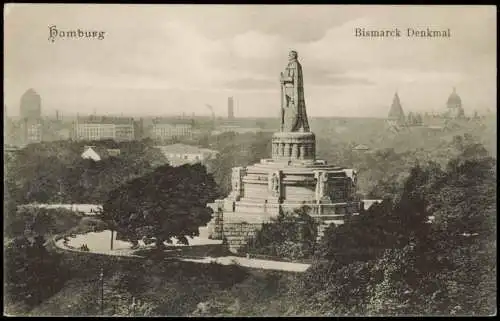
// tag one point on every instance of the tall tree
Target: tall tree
(169, 202)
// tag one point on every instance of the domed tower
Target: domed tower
(454, 105)
(31, 117)
(31, 105)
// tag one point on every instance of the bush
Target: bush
(291, 236)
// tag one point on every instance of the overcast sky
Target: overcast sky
(170, 59)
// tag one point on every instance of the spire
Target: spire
(396, 111)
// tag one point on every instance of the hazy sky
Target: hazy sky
(169, 59)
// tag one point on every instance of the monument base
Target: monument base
(290, 146)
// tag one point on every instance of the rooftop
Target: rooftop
(173, 121)
(361, 147)
(31, 92)
(93, 119)
(184, 149)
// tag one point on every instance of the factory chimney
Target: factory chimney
(230, 108)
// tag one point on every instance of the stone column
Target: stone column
(295, 151)
(273, 153)
(282, 149)
(287, 150)
(307, 150)
(301, 151)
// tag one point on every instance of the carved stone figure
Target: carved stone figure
(321, 185)
(274, 184)
(355, 178)
(293, 105)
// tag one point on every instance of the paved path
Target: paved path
(98, 245)
(253, 263)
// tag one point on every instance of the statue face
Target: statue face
(292, 55)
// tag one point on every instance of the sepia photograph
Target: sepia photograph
(249, 160)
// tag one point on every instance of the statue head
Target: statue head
(293, 55)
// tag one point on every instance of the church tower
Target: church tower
(396, 113)
(454, 105)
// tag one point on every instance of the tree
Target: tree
(169, 202)
(32, 273)
(447, 267)
(290, 235)
(53, 172)
(418, 119)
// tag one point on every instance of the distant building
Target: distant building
(10, 153)
(166, 129)
(31, 130)
(230, 108)
(103, 127)
(31, 105)
(454, 106)
(180, 154)
(115, 152)
(64, 134)
(139, 129)
(30, 123)
(396, 117)
(99, 153)
(361, 148)
(90, 153)
(414, 119)
(238, 129)
(396, 113)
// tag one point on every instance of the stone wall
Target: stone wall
(299, 194)
(238, 234)
(215, 226)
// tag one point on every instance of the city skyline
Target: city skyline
(167, 60)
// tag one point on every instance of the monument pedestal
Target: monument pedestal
(292, 146)
(291, 179)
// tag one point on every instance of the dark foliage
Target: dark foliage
(169, 202)
(391, 261)
(290, 236)
(32, 273)
(54, 172)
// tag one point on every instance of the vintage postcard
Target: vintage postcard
(249, 160)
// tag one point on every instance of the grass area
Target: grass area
(161, 284)
(79, 297)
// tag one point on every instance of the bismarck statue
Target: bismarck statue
(293, 105)
(291, 179)
(294, 141)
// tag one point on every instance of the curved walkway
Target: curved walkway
(99, 243)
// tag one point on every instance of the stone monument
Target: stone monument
(293, 105)
(290, 179)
